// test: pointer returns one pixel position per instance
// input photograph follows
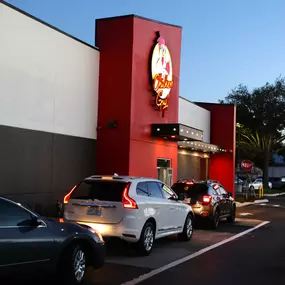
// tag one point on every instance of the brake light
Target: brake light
(206, 199)
(189, 183)
(127, 201)
(67, 196)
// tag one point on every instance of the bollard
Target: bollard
(260, 192)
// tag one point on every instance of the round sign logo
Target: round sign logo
(247, 165)
(161, 72)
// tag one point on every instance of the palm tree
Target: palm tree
(262, 145)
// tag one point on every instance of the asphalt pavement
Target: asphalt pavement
(249, 251)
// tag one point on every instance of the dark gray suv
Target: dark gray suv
(30, 244)
(208, 199)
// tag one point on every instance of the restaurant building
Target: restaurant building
(69, 109)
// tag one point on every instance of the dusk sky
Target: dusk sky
(225, 42)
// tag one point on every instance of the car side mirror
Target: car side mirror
(230, 194)
(35, 222)
(173, 198)
(181, 197)
(32, 222)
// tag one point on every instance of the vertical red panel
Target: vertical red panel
(143, 147)
(114, 37)
(125, 94)
(223, 133)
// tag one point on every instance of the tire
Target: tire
(232, 217)
(146, 241)
(187, 233)
(214, 222)
(74, 259)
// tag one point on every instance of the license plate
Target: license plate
(94, 211)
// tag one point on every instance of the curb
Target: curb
(239, 205)
(274, 195)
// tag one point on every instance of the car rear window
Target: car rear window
(191, 189)
(99, 190)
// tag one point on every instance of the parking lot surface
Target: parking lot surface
(238, 253)
(122, 258)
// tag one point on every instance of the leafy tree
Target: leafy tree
(262, 113)
(263, 147)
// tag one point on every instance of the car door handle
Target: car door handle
(171, 208)
(156, 207)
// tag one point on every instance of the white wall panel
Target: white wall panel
(194, 116)
(48, 81)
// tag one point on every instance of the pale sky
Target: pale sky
(225, 42)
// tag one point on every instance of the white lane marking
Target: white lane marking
(262, 204)
(261, 201)
(274, 195)
(191, 256)
(246, 214)
(276, 205)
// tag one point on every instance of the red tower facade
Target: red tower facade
(126, 99)
(223, 133)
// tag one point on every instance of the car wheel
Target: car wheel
(232, 217)
(214, 222)
(145, 244)
(74, 265)
(187, 233)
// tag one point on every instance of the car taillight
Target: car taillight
(67, 196)
(127, 201)
(206, 199)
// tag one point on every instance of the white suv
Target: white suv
(138, 210)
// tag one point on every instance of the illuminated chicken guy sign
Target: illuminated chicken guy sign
(161, 71)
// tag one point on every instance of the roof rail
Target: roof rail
(184, 180)
(96, 176)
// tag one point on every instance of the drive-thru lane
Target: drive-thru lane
(123, 265)
(258, 257)
(255, 258)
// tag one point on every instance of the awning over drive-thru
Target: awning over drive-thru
(200, 146)
(176, 132)
(186, 137)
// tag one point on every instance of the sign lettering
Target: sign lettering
(161, 71)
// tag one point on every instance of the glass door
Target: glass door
(164, 171)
